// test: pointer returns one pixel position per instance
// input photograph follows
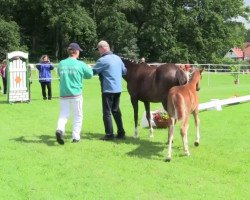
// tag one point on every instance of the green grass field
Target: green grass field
(33, 166)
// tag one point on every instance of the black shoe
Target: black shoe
(107, 137)
(120, 136)
(75, 141)
(44, 98)
(49, 98)
(59, 137)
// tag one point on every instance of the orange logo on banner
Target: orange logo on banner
(18, 79)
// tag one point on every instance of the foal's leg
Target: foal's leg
(197, 126)
(148, 116)
(170, 138)
(184, 132)
(134, 102)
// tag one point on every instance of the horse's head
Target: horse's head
(199, 72)
(196, 78)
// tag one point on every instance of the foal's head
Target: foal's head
(196, 78)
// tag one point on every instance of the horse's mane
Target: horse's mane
(134, 61)
(129, 59)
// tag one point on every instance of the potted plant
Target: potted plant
(160, 118)
(235, 72)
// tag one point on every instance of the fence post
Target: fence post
(208, 77)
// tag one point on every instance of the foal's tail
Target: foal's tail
(176, 106)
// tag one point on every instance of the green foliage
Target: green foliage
(10, 38)
(114, 27)
(235, 71)
(248, 36)
(231, 61)
(159, 30)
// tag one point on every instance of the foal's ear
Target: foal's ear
(201, 70)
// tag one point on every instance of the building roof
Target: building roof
(235, 53)
(238, 52)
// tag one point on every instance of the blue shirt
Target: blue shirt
(110, 69)
(44, 69)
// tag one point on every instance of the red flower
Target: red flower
(160, 116)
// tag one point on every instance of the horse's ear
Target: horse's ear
(201, 70)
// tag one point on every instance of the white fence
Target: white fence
(214, 104)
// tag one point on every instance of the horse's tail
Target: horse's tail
(181, 77)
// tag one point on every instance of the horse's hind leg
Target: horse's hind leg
(197, 126)
(134, 102)
(148, 116)
(170, 138)
(184, 133)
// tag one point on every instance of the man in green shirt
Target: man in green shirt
(71, 72)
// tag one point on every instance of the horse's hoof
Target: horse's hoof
(187, 154)
(151, 136)
(168, 159)
(135, 136)
(196, 144)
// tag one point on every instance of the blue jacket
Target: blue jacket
(44, 69)
(110, 69)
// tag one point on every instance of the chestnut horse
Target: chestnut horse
(150, 84)
(182, 101)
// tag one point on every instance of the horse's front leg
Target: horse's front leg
(148, 116)
(197, 126)
(134, 102)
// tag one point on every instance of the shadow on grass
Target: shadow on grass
(145, 148)
(4, 102)
(46, 139)
(49, 140)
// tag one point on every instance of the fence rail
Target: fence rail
(209, 68)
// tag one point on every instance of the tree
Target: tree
(10, 38)
(210, 29)
(248, 36)
(180, 31)
(113, 26)
(159, 30)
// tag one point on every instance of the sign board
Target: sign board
(18, 77)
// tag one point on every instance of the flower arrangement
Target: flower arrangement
(160, 118)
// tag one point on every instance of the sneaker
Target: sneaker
(107, 137)
(75, 141)
(59, 137)
(120, 136)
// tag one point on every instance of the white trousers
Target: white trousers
(65, 108)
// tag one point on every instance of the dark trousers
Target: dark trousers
(44, 85)
(110, 105)
(4, 85)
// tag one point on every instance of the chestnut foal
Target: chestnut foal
(182, 101)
